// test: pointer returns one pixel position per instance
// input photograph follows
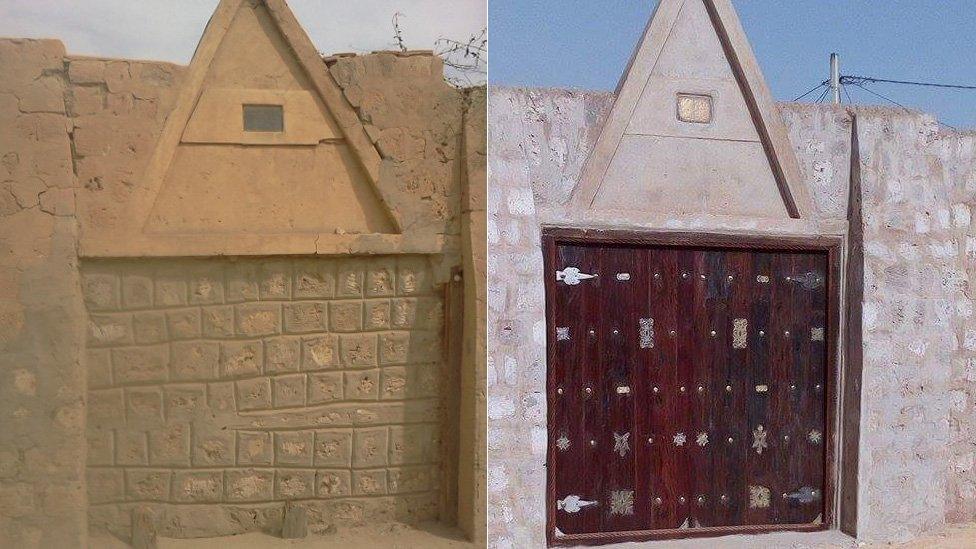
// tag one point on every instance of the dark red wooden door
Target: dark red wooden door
(687, 390)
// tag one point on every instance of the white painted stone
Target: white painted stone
(500, 407)
(961, 215)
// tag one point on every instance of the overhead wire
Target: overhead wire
(852, 79)
(817, 87)
(860, 82)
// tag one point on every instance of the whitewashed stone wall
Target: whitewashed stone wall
(918, 414)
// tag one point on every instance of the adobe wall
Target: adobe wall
(304, 364)
(42, 318)
(258, 381)
(918, 434)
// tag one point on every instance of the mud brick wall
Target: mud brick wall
(42, 493)
(242, 384)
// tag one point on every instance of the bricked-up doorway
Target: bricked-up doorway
(221, 388)
(690, 385)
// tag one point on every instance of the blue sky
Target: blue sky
(586, 44)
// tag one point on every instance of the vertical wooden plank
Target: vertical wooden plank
(732, 386)
(574, 390)
(812, 331)
(645, 364)
(621, 307)
(595, 323)
(555, 388)
(665, 267)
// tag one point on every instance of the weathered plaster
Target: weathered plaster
(42, 381)
(92, 126)
(917, 433)
(238, 384)
(473, 457)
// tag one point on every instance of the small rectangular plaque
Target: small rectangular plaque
(694, 108)
(264, 118)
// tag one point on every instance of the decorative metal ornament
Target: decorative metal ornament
(621, 443)
(809, 281)
(623, 390)
(646, 333)
(702, 439)
(562, 443)
(762, 279)
(622, 502)
(573, 504)
(680, 439)
(762, 388)
(572, 276)
(805, 495)
(815, 436)
(740, 333)
(758, 497)
(562, 334)
(623, 277)
(759, 439)
(817, 333)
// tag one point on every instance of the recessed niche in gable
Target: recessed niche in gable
(264, 118)
(695, 108)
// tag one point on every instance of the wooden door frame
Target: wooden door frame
(832, 245)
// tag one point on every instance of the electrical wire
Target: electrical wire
(851, 79)
(890, 100)
(823, 95)
(818, 86)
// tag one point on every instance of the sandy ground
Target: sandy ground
(398, 536)
(391, 536)
(956, 537)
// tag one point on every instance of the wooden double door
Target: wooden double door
(688, 390)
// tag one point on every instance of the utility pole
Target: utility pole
(835, 77)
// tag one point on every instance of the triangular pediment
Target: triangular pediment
(694, 129)
(261, 140)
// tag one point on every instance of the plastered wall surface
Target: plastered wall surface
(254, 382)
(917, 436)
(42, 381)
(78, 137)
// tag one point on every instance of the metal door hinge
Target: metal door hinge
(573, 504)
(572, 276)
(805, 494)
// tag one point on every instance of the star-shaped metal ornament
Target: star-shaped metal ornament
(702, 439)
(622, 502)
(815, 436)
(759, 439)
(562, 443)
(621, 443)
(680, 439)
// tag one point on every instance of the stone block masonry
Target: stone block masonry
(231, 386)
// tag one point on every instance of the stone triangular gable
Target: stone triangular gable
(211, 174)
(694, 129)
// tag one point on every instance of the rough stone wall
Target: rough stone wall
(42, 384)
(957, 154)
(916, 458)
(257, 381)
(538, 141)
